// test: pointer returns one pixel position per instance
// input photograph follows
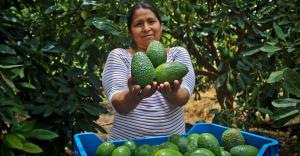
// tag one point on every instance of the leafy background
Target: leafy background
(53, 52)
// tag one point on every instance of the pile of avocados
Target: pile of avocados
(194, 144)
(153, 66)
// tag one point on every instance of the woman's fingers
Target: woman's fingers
(176, 85)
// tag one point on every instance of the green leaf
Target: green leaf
(25, 126)
(4, 49)
(9, 66)
(287, 102)
(31, 148)
(284, 113)
(292, 82)
(8, 81)
(52, 48)
(93, 109)
(240, 23)
(51, 9)
(270, 49)
(27, 85)
(103, 24)
(284, 122)
(276, 76)
(221, 80)
(87, 43)
(13, 141)
(95, 80)
(251, 52)
(43, 134)
(265, 111)
(278, 31)
(10, 60)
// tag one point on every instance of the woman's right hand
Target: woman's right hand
(140, 93)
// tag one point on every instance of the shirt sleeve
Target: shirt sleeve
(188, 81)
(115, 74)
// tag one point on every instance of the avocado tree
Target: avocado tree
(236, 45)
(52, 54)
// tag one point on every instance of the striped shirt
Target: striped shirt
(153, 116)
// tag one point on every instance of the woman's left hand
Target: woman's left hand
(169, 91)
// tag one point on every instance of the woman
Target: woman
(156, 109)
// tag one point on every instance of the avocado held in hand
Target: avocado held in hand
(170, 71)
(156, 53)
(142, 70)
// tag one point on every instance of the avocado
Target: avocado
(232, 137)
(209, 141)
(182, 143)
(143, 150)
(168, 144)
(142, 70)
(170, 71)
(225, 153)
(244, 150)
(156, 53)
(202, 152)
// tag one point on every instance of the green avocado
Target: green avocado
(232, 137)
(244, 150)
(142, 70)
(201, 152)
(156, 53)
(170, 71)
(209, 141)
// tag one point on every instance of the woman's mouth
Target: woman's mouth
(148, 36)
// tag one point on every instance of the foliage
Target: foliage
(50, 67)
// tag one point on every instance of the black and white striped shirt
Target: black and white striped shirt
(153, 116)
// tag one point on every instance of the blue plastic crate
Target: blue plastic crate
(86, 143)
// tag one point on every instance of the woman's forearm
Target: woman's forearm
(124, 102)
(181, 98)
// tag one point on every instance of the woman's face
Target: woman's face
(145, 28)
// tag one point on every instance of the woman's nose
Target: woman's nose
(146, 27)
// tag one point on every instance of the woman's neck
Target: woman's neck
(134, 50)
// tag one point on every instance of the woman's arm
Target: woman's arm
(126, 101)
(175, 94)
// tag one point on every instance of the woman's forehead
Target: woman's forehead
(143, 13)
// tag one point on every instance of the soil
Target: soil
(196, 110)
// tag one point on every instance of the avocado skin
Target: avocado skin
(232, 137)
(170, 71)
(244, 150)
(156, 53)
(142, 70)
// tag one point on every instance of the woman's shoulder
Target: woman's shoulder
(119, 52)
(177, 49)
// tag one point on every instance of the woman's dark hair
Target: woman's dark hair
(140, 5)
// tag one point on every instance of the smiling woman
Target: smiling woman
(145, 28)
(145, 111)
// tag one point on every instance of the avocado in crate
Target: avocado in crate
(187, 144)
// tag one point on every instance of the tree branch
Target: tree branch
(200, 59)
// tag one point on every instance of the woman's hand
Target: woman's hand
(174, 94)
(126, 101)
(140, 93)
(169, 91)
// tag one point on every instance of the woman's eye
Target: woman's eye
(138, 24)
